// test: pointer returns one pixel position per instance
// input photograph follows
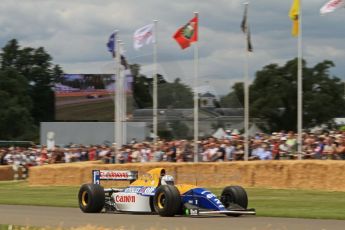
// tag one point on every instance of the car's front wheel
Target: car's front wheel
(91, 198)
(233, 196)
(167, 200)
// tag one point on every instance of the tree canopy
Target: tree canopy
(273, 95)
(170, 94)
(27, 76)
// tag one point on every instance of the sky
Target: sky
(75, 34)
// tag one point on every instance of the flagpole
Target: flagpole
(123, 103)
(196, 97)
(115, 84)
(246, 92)
(118, 98)
(155, 94)
(300, 86)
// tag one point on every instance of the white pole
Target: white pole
(300, 86)
(115, 58)
(123, 104)
(155, 93)
(246, 93)
(118, 98)
(196, 97)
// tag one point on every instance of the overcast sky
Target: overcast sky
(75, 32)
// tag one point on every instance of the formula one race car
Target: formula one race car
(155, 192)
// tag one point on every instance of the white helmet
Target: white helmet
(167, 179)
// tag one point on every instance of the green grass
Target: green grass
(296, 203)
(267, 202)
(93, 110)
(21, 193)
(90, 110)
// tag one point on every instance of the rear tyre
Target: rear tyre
(167, 200)
(91, 198)
(234, 195)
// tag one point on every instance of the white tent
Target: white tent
(219, 134)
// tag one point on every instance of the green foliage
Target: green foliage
(235, 99)
(175, 95)
(273, 95)
(179, 130)
(141, 88)
(15, 119)
(170, 95)
(27, 76)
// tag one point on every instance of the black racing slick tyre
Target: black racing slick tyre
(234, 195)
(167, 200)
(91, 198)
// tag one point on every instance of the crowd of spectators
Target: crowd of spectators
(276, 146)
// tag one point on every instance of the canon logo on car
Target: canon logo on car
(125, 198)
(113, 175)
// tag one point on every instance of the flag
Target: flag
(331, 6)
(111, 43)
(143, 35)
(245, 28)
(187, 34)
(294, 16)
(112, 49)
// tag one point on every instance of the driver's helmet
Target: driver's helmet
(167, 179)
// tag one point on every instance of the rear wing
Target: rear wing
(119, 175)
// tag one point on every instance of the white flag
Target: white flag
(331, 6)
(142, 36)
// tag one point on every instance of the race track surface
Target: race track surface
(73, 217)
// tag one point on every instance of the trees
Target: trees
(273, 95)
(175, 95)
(141, 88)
(170, 95)
(235, 99)
(16, 121)
(31, 70)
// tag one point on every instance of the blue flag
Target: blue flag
(111, 43)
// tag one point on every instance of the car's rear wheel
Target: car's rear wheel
(91, 198)
(233, 196)
(167, 200)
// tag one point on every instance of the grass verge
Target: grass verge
(267, 202)
(18, 192)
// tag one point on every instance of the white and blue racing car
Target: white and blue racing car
(155, 192)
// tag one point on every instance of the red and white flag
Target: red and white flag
(142, 36)
(332, 6)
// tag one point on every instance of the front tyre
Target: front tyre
(234, 196)
(91, 198)
(167, 200)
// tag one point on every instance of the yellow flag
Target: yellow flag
(294, 16)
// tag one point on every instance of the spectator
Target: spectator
(239, 152)
(229, 150)
(330, 148)
(171, 154)
(92, 153)
(283, 148)
(340, 150)
(291, 142)
(2, 156)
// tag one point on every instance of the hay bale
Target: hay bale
(312, 174)
(6, 172)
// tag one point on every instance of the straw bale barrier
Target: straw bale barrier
(6, 173)
(312, 174)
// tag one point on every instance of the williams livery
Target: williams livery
(156, 192)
